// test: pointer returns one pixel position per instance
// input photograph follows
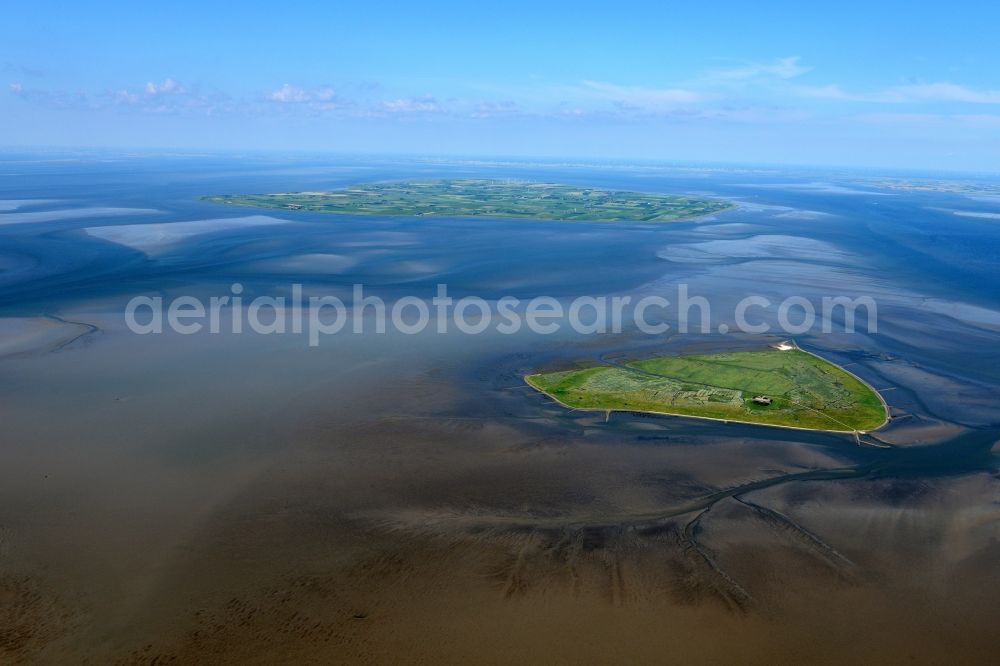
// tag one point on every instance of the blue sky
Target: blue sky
(897, 84)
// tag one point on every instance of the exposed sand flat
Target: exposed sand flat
(14, 204)
(964, 312)
(352, 541)
(306, 263)
(945, 397)
(412, 268)
(775, 272)
(151, 237)
(768, 246)
(914, 432)
(818, 186)
(71, 214)
(383, 239)
(729, 228)
(391, 498)
(771, 258)
(804, 215)
(25, 335)
(753, 206)
(979, 214)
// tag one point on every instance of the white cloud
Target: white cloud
(289, 94)
(168, 87)
(641, 97)
(60, 99)
(154, 96)
(412, 105)
(125, 97)
(831, 91)
(324, 94)
(782, 68)
(166, 97)
(494, 109)
(908, 94)
(946, 92)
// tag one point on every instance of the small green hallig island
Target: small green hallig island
(784, 387)
(486, 198)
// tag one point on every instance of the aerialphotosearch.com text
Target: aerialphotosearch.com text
(366, 313)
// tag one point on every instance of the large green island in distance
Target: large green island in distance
(784, 387)
(487, 198)
(969, 187)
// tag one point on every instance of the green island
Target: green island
(783, 387)
(981, 188)
(486, 198)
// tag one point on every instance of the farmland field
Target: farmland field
(805, 391)
(487, 198)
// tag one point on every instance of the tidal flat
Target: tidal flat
(397, 498)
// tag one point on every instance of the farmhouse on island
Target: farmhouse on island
(762, 400)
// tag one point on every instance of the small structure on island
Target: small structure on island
(762, 400)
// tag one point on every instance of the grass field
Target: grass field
(806, 391)
(486, 198)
